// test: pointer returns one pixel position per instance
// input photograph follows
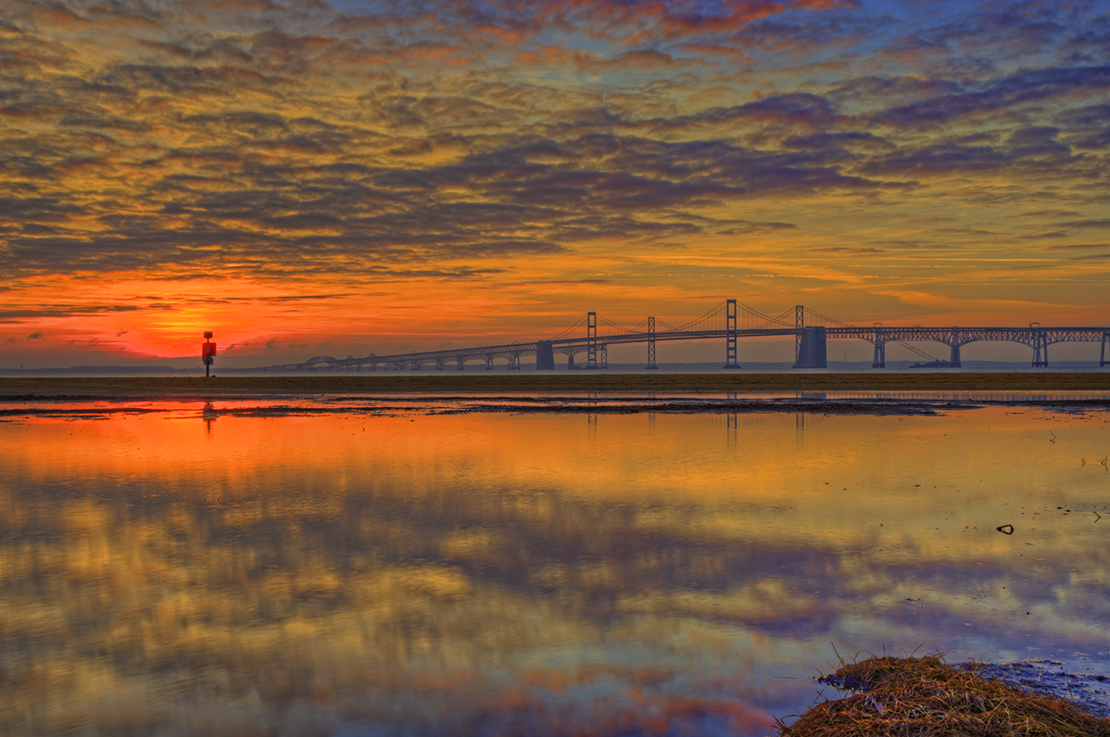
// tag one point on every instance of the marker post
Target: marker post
(208, 353)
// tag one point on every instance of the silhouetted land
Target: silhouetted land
(199, 388)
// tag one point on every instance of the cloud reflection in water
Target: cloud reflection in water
(168, 571)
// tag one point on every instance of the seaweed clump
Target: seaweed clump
(919, 697)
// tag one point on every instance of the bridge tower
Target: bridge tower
(591, 340)
(1040, 347)
(651, 344)
(730, 340)
(799, 323)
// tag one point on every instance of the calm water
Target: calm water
(240, 569)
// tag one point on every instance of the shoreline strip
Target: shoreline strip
(46, 388)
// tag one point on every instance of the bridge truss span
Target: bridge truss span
(1036, 337)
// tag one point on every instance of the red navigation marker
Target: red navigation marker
(208, 352)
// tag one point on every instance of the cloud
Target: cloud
(1020, 88)
(849, 250)
(1087, 126)
(64, 311)
(1096, 223)
(462, 140)
(873, 90)
(805, 110)
(938, 158)
(1077, 246)
(645, 59)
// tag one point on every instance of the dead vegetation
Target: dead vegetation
(925, 697)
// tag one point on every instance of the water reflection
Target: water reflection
(167, 572)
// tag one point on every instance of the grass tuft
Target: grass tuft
(925, 697)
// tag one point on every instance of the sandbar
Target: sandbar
(50, 388)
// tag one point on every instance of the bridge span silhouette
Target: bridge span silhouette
(731, 321)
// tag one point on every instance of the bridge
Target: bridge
(730, 321)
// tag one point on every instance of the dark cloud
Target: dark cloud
(35, 208)
(303, 297)
(1086, 127)
(1026, 86)
(1018, 29)
(849, 250)
(1077, 246)
(744, 228)
(800, 109)
(80, 120)
(1038, 141)
(1090, 43)
(943, 157)
(839, 146)
(65, 310)
(1087, 224)
(1049, 214)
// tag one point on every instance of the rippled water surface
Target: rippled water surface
(414, 567)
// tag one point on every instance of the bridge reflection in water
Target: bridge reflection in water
(732, 321)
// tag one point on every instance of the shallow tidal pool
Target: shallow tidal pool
(192, 569)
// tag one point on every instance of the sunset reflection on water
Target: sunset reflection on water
(185, 570)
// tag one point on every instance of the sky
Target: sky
(346, 177)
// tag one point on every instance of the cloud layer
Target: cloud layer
(320, 147)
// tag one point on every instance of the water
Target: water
(409, 566)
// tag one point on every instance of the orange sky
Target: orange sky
(358, 176)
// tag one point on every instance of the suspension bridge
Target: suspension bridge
(731, 321)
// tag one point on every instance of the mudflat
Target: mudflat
(201, 388)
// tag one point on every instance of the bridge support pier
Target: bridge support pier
(812, 348)
(461, 361)
(955, 358)
(880, 354)
(1040, 349)
(1102, 354)
(545, 356)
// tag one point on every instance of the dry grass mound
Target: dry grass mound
(925, 697)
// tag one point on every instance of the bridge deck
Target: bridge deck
(1038, 338)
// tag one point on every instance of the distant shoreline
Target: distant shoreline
(198, 388)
